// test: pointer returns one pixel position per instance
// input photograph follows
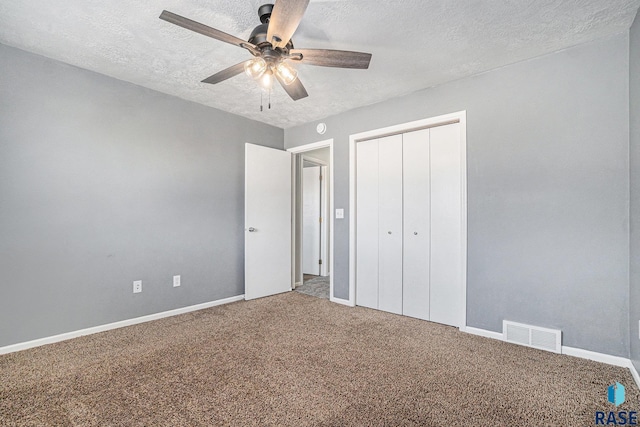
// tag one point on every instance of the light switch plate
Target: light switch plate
(339, 213)
(176, 281)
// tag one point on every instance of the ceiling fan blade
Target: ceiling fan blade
(284, 21)
(295, 90)
(333, 58)
(225, 74)
(187, 23)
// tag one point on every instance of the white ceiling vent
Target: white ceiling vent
(532, 336)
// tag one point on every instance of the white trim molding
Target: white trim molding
(482, 332)
(314, 146)
(569, 351)
(346, 302)
(115, 325)
(596, 357)
(445, 119)
(603, 358)
(311, 146)
(634, 374)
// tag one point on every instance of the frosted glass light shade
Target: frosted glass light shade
(266, 81)
(286, 72)
(255, 68)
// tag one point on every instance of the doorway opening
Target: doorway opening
(312, 220)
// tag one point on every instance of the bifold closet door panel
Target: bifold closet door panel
(390, 224)
(416, 214)
(446, 225)
(367, 224)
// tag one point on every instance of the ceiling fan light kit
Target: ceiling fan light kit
(255, 67)
(271, 45)
(267, 80)
(286, 72)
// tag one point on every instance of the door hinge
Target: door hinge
(320, 220)
(320, 262)
(320, 177)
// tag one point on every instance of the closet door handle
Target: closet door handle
(388, 232)
(415, 233)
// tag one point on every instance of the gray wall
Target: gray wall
(634, 87)
(103, 182)
(320, 154)
(548, 189)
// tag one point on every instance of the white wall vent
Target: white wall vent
(532, 336)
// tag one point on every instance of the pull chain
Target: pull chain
(262, 101)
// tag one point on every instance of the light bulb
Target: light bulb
(266, 81)
(286, 73)
(255, 68)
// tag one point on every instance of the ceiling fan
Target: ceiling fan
(272, 48)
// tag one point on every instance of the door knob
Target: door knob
(389, 232)
(415, 233)
(251, 229)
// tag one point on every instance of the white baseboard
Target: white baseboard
(482, 332)
(341, 301)
(604, 358)
(120, 324)
(570, 351)
(634, 374)
(597, 357)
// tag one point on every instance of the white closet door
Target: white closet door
(446, 223)
(415, 277)
(367, 224)
(390, 228)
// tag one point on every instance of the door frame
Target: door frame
(445, 119)
(301, 149)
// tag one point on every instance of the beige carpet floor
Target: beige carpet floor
(296, 360)
(316, 286)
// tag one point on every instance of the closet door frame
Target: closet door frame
(457, 117)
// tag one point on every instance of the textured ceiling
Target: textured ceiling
(415, 44)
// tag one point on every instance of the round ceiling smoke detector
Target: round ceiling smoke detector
(321, 128)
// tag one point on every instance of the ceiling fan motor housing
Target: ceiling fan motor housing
(264, 12)
(258, 36)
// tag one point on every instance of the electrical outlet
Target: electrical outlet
(137, 286)
(176, 281)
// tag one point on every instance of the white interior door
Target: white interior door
(267, 253)
(311, 225)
